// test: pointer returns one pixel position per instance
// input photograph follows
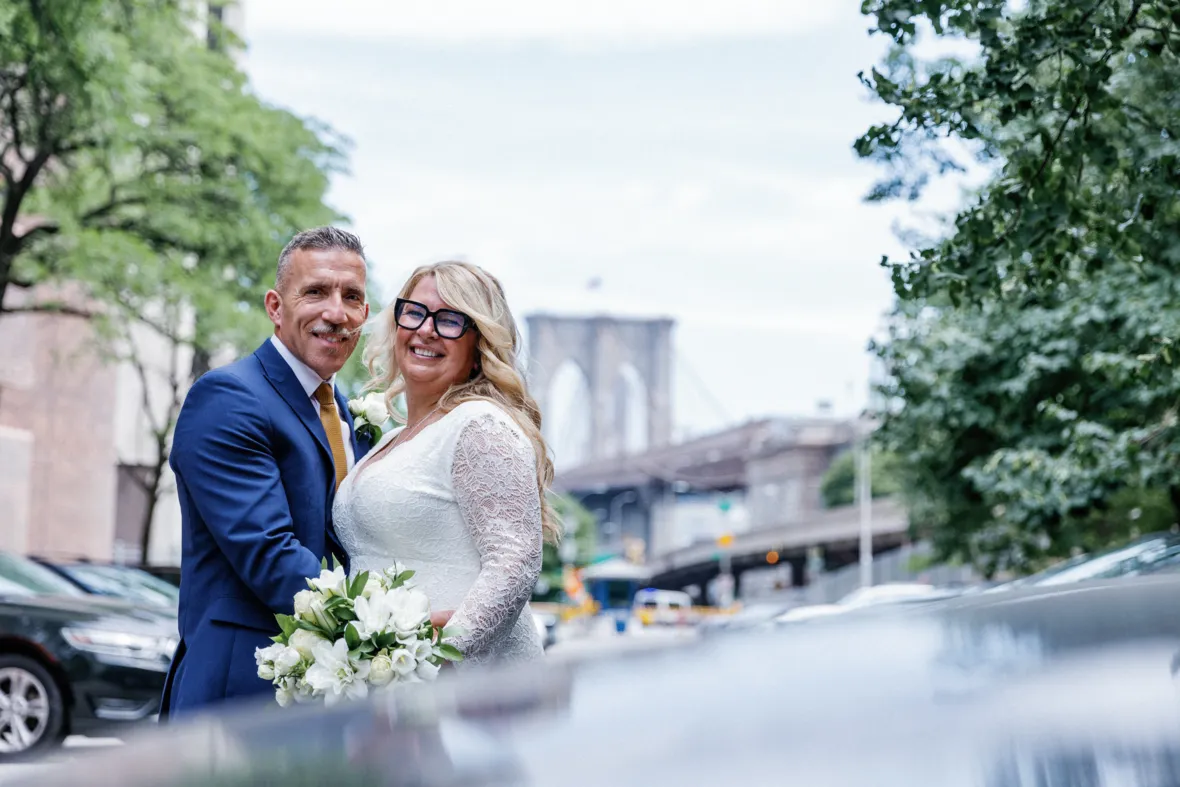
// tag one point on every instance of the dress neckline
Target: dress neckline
(364, 464)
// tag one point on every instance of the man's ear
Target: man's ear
(274, 303)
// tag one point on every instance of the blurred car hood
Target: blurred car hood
(995, 691)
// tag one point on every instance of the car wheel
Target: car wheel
(32, 712)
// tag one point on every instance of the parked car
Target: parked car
(73, 663)
(1145, 555)
(170, 574)
(108, 579)
(884, 595)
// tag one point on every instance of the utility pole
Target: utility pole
(864, 494)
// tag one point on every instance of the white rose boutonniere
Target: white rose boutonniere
(369, 415)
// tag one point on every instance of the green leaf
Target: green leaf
(352, 637)
(450, 652)
(358, 584)
(303, 624)
(286, 623)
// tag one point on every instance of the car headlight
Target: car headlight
(121, 644)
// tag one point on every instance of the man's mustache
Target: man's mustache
(336, 330)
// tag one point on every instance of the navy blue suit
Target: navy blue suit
(255, 478)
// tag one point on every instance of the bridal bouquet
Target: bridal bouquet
(349, 635)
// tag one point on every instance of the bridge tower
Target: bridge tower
(604, 349)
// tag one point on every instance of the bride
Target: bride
(458, 493)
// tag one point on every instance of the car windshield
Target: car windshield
(125, 582)
(21, 577)
(1128, 559)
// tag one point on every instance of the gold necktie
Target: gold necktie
(331, 421)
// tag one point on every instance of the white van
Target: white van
(663, 607)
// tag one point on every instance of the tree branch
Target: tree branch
(52, 307)
(110, 205)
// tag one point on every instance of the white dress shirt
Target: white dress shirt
(310, 381)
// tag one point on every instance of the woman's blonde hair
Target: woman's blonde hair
(478, 294)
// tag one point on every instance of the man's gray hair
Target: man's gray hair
(319, 239)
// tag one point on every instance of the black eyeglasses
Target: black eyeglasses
(448, 323)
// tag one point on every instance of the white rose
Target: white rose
(304, 642)
(287, 660)
(374, 409)
(284, 694)
(426, 671)
(269, 653)
(356, 406)
(381, 669)
(266, 671)
(411, 608)
(303, 604)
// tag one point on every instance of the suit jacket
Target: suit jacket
(255, 479)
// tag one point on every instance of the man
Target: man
(259, 450)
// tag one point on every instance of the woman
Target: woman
(458, 493)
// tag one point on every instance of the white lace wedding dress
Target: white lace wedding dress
(458, 504)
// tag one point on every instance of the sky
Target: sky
(694, 158)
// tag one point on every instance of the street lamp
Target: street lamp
(864, 484)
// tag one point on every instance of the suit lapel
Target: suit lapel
(287, 384)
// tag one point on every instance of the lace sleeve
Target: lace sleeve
(494, 475)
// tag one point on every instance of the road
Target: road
(74, 745)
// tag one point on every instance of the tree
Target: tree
(1064, 95)
(135, 161)
(137, 165)
(1020, 419)
(579, 527)
(1033, 387)
(838, 487)
(161, 377)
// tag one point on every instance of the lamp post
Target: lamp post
(864, 491)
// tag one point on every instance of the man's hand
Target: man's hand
(441, 618)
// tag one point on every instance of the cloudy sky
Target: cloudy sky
(696, 158)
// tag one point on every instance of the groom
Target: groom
(259, 450)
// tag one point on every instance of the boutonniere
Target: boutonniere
(369, 414)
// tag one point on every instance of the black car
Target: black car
(108, 579)
(1148, 554)
(71, 663)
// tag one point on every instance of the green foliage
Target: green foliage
(1032, 388)
(151, 170)
(579, 526)
(838, 487)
